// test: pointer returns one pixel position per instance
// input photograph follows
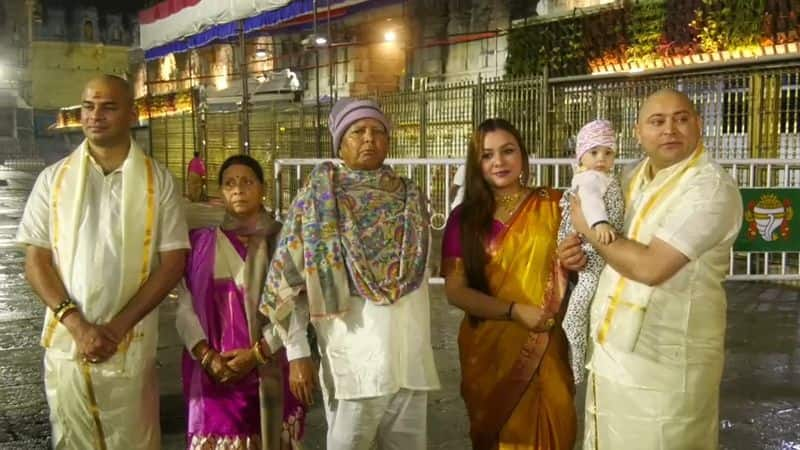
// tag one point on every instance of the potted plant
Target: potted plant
(710, 23)
(745, 23)
(645, 23)
(680, 38)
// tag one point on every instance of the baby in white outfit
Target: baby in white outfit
(604, 208)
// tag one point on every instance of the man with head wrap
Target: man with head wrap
(352, 258)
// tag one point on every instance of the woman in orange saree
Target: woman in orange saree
(499, 260)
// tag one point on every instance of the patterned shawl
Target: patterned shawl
(362, 232)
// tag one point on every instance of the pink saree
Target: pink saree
(230, 416)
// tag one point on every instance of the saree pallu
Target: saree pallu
(229, 416)
(517, 384)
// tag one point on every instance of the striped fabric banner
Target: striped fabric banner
(174, 19)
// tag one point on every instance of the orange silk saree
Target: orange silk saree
(517, 384)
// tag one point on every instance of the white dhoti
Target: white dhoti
(620, 416)
(126, 405)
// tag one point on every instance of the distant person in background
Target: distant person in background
(457, 188)
(196, 180)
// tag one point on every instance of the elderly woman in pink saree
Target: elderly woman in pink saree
(235, 393)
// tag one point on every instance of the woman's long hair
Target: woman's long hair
(477, 210)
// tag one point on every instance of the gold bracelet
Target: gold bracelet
(257, 353)
(63, 305)
(206, 357)
(202, 355)
(63, 311)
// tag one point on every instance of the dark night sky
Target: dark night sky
(131, 6)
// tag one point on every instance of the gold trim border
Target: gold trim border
(93, 408)
(50, 329)
(668, 186)
(149, 219)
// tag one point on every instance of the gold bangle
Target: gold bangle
(63, 305)
(63, 311)
(257, 353)
(510, 311)
(203, 354)
(206, 358)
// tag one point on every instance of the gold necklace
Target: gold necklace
(508, 200)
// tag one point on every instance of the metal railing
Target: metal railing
(434, 176)
(750, 112)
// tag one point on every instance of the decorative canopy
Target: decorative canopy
(175, 26)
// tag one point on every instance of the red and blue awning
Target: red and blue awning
(175, 26)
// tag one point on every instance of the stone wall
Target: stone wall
(362, 63)
(436, 39)
(86, 24)
(60, 69)
(446, 40)
(561, 7)
(13, 43)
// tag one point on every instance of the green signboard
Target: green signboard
(770, 223)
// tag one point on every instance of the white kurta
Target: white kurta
(377, 366)
(125, 386)
(371, 350)
(664, 392)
